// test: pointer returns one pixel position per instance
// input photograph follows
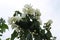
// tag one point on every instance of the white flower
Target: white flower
(37, 12)
(50, 21)
(23, 15)
(37, 17)
(14, 25)
(17, 29)
(13, 19)
(40, 21)
(28, 9)
(31, 20)
(18, 18)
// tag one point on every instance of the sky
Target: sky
(50, 9)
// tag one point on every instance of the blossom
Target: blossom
(47, 25)
(37, 17)
(37, 12)
(17, 29)
(14, 25)
(40, 21)
(50, 22)
(14, 19)
(28, 9)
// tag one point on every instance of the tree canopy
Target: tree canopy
(27, 25)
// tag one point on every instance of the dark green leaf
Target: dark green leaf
(8, 39)
(29, 37)
(14, 35)
(3, 26)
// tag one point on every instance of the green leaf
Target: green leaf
(2, 21)
(14, 35)
(8, 39)
(37, 37)
(48, 35)
(3, 26)
(29, 37)
(16, 13)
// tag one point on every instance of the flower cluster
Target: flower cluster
(37, 14)
(29, 10)
(26, 19)
(48, 24)
(28, 24)
(12, 21)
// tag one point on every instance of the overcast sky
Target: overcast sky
(50, 9)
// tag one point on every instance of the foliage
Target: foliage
(27, 25)
(3, 26)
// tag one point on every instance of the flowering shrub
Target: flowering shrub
(26, 25)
